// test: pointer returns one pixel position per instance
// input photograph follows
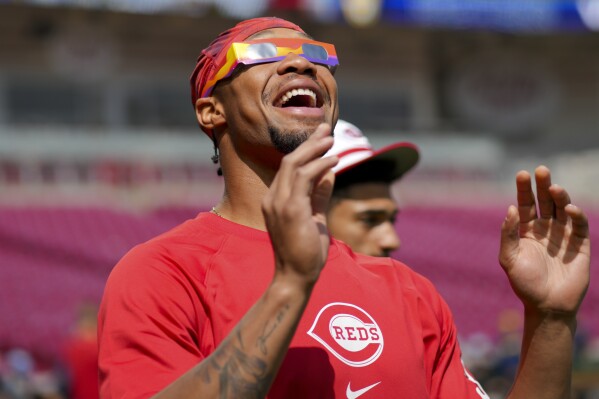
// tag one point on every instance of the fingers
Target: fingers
(510, 238)
(553, 200)
(527, 206)
(309, 174)
(321, 193)
(561, 200)
(545, 200)
(316, 145)
(580, 223)
(304, 168)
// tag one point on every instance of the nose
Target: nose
(295, 63)
(388, 239)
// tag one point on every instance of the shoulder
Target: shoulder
(416, 290)
(168, 255)
(397, 270)
(189, 251)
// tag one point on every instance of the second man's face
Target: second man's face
(365, 219)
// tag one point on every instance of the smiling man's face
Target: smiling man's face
(280, 103)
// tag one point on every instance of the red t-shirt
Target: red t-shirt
(373, 328)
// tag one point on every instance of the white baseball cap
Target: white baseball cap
(353, 149)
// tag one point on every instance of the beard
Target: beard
(286, 141)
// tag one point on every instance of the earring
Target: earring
(215, 159)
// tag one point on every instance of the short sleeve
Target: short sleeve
(150, 325)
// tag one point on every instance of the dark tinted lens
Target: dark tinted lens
(260, 51)
(315, 51)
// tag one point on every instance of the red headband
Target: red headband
(213, 57)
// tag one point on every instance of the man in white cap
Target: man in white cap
(362, 211)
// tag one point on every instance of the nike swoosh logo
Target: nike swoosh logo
(355, 394)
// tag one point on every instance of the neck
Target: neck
(245, 211)
(246, 184)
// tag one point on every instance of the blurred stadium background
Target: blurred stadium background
(99, 148)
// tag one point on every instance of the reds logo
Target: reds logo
(349, 333)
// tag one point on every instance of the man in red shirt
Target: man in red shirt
(255, 300)
(81, 354)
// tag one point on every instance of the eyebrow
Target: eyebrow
(378, 213)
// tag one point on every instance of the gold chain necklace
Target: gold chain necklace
(213, 210)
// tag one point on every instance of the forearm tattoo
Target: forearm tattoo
(241, 375)
(269, 328)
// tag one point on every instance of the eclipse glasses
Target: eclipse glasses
(263, 51)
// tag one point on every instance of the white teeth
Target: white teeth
(299, 92)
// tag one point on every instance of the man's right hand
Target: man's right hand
(295, 209)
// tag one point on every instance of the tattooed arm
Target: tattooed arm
(246, 362)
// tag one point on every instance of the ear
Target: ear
(210, 113)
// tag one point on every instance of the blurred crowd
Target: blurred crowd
(74, 376)
(494, 362)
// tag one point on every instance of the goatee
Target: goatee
(286, 141)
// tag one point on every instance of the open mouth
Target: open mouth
(299, 98)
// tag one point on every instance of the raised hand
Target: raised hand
(545, 252)
(294, 209)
